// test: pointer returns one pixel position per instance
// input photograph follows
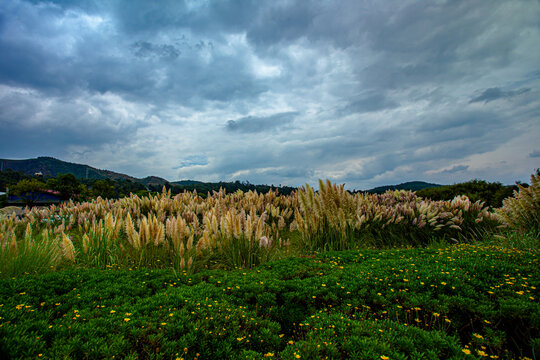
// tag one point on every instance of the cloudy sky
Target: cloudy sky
(365, 93)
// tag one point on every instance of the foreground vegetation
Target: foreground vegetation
(365, 276)
(459, 302)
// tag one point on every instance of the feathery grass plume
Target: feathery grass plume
(68, 250)
(131, 233)
(28, 232)
(522, 211)
(326, 220)
(85, 241)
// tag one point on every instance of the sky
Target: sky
(365, 93)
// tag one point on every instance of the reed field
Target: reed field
(316, 274)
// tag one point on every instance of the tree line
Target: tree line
(67, 186)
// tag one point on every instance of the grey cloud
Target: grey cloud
(256, 124)
(369, 103)
(146, 49)
(62, 123)
(192, 160)
(455, 169)
(535, 154)
(497, 93)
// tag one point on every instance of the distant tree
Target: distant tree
(10, 176)
(491, 194)
(104, 189)
(28, 190)
(66, 184)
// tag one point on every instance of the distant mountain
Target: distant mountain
(51, 167)
(186, 182)
(153, 180)
(411, 185)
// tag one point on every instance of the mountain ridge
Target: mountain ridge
(51, 167)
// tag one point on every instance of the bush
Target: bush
(492, 194)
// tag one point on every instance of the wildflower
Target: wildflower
(383, 357)
(466, 351)
(126, 319)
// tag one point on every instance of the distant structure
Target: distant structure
(39, 173)
(42, 197)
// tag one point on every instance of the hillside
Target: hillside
(51, 167)
(411, 185)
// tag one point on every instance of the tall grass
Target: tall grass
(522, 211)
(334, 219)
(188, 233)
(34, 253)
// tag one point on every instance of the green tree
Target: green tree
(66, 184)
(28, 190)
(104, 189)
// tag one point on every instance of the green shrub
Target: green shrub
(492, 194)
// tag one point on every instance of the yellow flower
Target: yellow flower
(478, 336)
(126, 319)
(466, 351)
(443, 283)
(383, 357)
(481, 353)
(113, 311)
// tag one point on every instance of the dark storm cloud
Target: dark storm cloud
(382, 91)
(63, 122)
(497, 93)
(256, 124)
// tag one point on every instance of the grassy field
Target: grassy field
(313, 275)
